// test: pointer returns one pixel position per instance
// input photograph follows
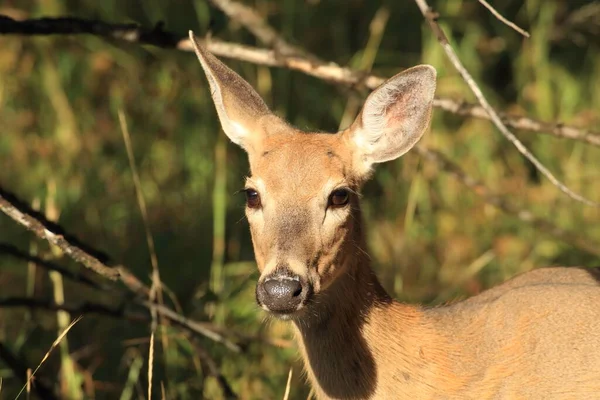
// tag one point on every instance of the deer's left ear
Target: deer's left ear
(241, 110)
(394, 116)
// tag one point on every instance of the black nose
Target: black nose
(281, 293)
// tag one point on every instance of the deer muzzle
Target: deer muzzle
(282, 293)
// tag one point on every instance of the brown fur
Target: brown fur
(536, 336)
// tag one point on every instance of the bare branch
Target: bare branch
(503, 204)
(44, 229)
(327, 71)
(502, 19)
(37, 223)
(431, 18)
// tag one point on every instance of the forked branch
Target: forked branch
(431, 18)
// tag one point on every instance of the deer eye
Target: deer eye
(339, 197)
(252, 198)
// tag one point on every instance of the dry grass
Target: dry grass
(26, 387)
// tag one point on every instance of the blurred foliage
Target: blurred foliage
(431, 239)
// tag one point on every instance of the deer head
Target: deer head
(302, 192)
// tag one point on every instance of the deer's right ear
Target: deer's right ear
(237, 103)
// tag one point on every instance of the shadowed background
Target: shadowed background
(431, 239)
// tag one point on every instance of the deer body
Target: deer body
(535, 336)
(511, 343)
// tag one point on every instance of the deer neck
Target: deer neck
(348, 338)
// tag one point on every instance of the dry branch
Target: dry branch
(327, 71)
(204, 329)
(431, 18)
(46, 230)
(21, 213)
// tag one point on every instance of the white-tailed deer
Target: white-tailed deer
(536, 336)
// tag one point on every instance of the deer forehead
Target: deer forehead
(301, 166)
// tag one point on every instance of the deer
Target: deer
(536, 336)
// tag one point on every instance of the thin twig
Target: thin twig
(431, 18)
(327, 71)
(503, 204)
(156, 287)
(156, 282)
(502, 19)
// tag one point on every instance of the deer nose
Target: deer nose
(281, 293)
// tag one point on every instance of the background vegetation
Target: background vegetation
(431, 239)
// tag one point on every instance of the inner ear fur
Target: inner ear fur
(394, 117)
